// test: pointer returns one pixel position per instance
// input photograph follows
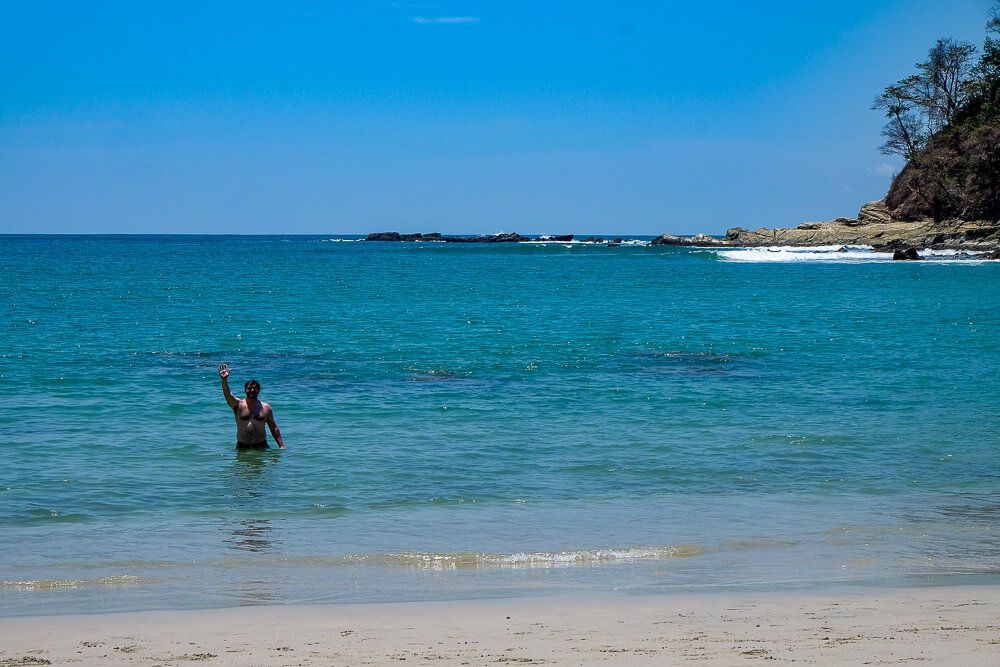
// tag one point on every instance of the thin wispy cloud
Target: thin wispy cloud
(444, 20)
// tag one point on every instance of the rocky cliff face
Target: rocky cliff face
(957, 175)
(956, 178)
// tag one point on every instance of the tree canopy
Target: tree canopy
(945, 121)
(922, 104)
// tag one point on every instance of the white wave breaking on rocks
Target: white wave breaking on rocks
(838, 254)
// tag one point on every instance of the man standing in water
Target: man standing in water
(251, 415)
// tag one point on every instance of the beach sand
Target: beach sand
(939, 625)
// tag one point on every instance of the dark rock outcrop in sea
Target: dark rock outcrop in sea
(492, 238)
(906, 255)
(396, 236)
(703, 240)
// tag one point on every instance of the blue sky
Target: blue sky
(353, 116)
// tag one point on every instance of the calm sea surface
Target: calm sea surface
(486, 420)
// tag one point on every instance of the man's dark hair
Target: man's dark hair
(246, 387)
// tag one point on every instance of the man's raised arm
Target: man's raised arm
(224, 374)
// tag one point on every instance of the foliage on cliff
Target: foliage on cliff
(945, 120)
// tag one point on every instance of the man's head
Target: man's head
(252, 388)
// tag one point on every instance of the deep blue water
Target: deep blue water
(469, 420)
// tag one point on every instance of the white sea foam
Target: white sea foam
(539, 559)
(54, 584)
(831, 253)
(968, 254)
(840, 254)
(580, 242)
(41, 584)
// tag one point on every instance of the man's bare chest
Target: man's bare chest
(247, 413)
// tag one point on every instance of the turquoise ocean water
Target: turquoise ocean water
(488, 420)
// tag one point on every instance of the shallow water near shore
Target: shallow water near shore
(487, 420)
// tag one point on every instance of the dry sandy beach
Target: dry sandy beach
(938, 625)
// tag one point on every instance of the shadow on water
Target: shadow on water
(681, 363)
(249, 485)
(251, 535)
(251, 476)
(251, 593)
(966, 519)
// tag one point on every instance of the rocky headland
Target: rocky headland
(874, 226)
(944, 120)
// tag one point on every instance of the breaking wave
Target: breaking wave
(540, 559)
(57, 584)
(837, 253)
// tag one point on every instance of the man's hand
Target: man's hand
(224, 374)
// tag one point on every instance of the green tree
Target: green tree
(906, 133)
(945, 120)
(922, 104)
(987, 70)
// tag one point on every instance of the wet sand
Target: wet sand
(938, 625)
